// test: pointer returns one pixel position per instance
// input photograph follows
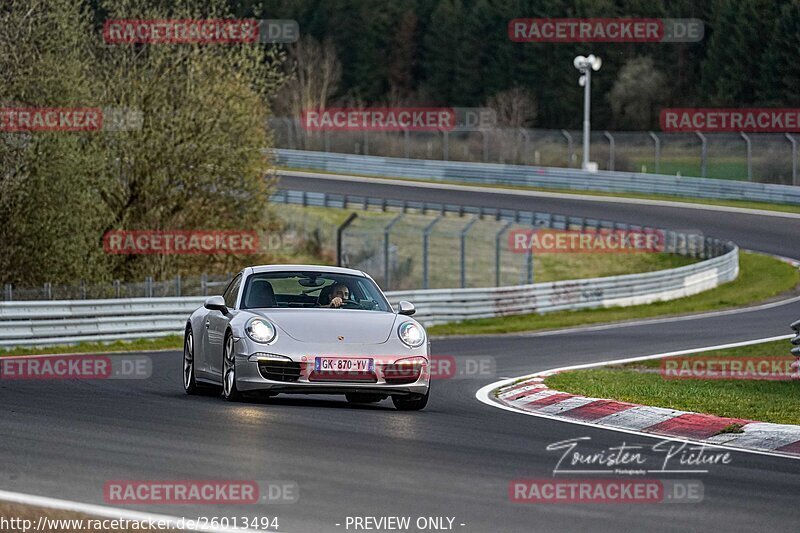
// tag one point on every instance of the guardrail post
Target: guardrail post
(426, 233)
(445, 145)
(794, 157)
(83, 289)
(366, 142)
(339, 233)
(610, 138)
(463, 258)
(117, 289)
(148, 287)
(9, 292)
(567, 135)
(485, 134)
(497, 240)
(204, 284)
(703, 153)
(178, 285)
(47, 291)
(406, 142)
(657, 144)
(749, 155)
(387, 272)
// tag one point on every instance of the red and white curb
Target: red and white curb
(529, 395)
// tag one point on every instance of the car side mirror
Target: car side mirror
(216, 303)
(406, 308)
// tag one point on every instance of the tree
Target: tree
(637, 91)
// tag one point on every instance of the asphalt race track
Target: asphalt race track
(66, 439)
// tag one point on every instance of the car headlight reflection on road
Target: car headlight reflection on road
(260, 330)
(411, 334)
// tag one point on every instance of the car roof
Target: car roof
(305, 268)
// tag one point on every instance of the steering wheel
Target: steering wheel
(351, 304)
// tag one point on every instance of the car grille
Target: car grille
(279, 370)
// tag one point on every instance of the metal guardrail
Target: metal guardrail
(62, 322)
(537, 176)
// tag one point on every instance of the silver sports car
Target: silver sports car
(308, 330)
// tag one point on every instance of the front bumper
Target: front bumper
(302, 378)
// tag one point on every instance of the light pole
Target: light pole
(585, 66)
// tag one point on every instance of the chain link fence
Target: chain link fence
(756, 157)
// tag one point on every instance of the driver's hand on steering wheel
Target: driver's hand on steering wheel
(336, 302)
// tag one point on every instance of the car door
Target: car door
(216, 324)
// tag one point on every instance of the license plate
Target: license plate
(341, 364)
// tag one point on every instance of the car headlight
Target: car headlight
(260, 330)
(411, 334)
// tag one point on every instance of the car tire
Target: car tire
(229, 390)
(189, 381)
(363, 397)
(415, 403)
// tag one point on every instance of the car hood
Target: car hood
(328, 325)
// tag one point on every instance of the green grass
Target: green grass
(745, 204)
(760, 277)
(173, 342)
(766, 401)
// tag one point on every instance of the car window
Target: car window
(232, 292)
(311, 290)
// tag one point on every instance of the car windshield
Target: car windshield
(312, 290)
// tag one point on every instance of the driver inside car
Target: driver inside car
(340, 293)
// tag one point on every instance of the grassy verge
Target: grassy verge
(746, 204)
(640, 382)
(173, 342)
(760, 277)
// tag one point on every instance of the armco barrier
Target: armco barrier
(533, 176)
(62, 322)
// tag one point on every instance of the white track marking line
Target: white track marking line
(409, 182)
(484, 395)
(107, 512)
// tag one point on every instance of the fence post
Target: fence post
(178, 285)
(446, 145)
(9, 292)
(387, 274)
(485, 134)
(148, 286)
(497, 238)
(48, 293)
(794, 157)
(610, 138)
(204, 284)
(326, 141)
(526, 140)
(289, 135)
(83, 289)
(749, 155)
(366, 142)
(463, 239)
(117, 289)
(657, 143)
(426, 233)
(406, 141)
(339, 232)
(568, 136)
(703, 154)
